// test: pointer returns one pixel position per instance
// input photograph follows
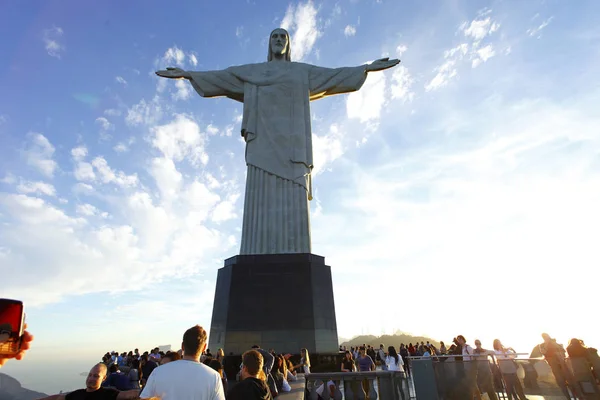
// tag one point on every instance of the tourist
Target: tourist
(186, 378)
(117, 379)
(405, 361)
(304, 361)
(279, 374)
(443, 349)
(465, 348)
(554, 354)
(268, 362)
(393, 361)
(268, 359)
(484, 370)
(381, 357)
(291, 372)
(348, 363)
(253, 385)
(371, 352)
(148, 366)
(365, 364)
(169, 357)
(155, 355)
(134, 373)
(508, 368)
(217, 366)
(94, 390)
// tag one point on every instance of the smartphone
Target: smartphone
(12, 325)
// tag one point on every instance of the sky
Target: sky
(460, 190)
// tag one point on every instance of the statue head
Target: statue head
(279, 45)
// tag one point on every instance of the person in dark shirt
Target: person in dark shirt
(148, 366)
(253, 385)
(117, 379)
(94, 390)
(348, 363)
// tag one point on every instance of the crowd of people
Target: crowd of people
(190, 373)
(193, 372)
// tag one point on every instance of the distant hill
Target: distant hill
(11, 389)
(388, 340)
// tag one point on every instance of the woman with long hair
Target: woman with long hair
(508, 368)
(348, 363)
(304, 361)
(393, 361)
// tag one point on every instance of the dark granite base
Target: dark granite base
(280, 301)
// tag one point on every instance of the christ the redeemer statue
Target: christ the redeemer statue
(276, 127)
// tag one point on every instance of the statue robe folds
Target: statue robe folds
(277, 131)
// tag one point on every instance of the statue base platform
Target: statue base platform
(277, 301)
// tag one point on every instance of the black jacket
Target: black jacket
(250, 389)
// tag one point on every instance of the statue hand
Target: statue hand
(381, 64)
(173, 73)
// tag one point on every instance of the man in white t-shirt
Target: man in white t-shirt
(186, 379)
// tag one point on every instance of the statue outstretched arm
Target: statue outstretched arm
(174, 73)
(382, 64)
(209, 83)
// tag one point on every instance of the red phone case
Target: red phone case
(12, 345)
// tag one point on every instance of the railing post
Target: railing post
(424, 379)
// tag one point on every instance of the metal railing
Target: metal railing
(452, 377)
(384, 385)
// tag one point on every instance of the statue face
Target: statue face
(279, 42)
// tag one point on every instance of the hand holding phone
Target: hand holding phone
(14, 340)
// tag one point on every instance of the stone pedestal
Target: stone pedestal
(280, 301)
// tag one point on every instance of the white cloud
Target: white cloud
(104, 123)
(367, 103)
(52, 38)
(144, 113)
(79, 153)
(174, 55)
(401, 49)
(447, 70)
(3, 119)
(84, 172)
(239, 32)
(301, 22)
(327, 148)
(479, 28)
(9, 179)
(193, 59)
(86, 209)
(225, 210)
(349, 30)
(538, 29)
(121, 80)
(184, 90)
(39, 153)
(402, 84)
(212, 130)
(112, 112)
(482, 55)
(168, 178)
(121, 147)
(36, 188)
(107, 175)
(179, 139)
